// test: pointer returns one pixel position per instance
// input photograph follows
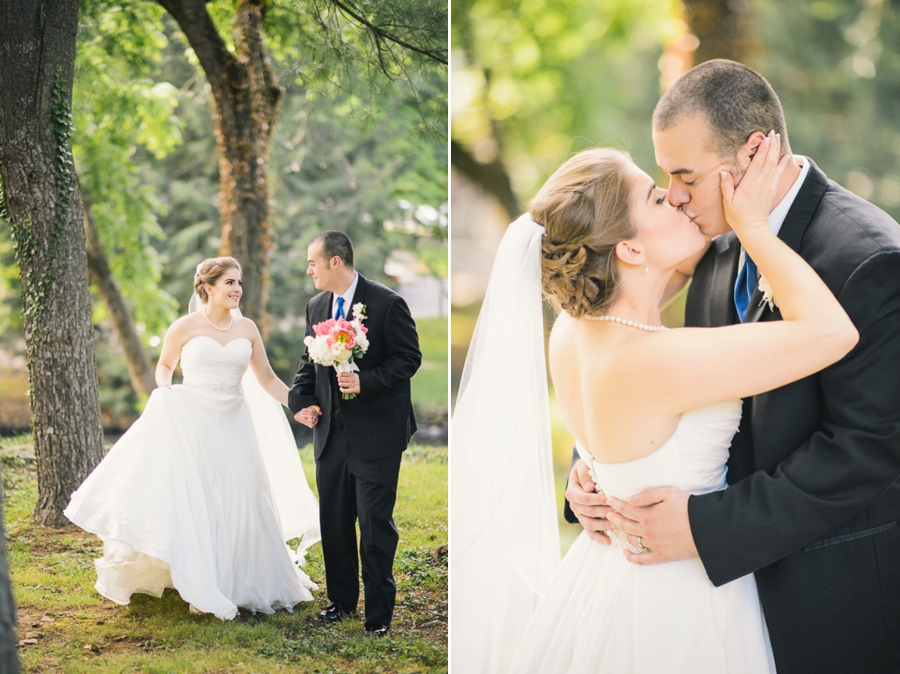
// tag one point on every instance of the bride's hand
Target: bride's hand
(748, 205)
(589, 507)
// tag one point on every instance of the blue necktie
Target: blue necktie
(340, 309)
(745, 286)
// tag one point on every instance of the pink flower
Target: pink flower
(343, 336)
(337, 342)
(324, 327)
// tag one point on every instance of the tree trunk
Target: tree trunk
(139, 370)
(9, 658)
(724, 28)
(246, 96)
(37, 54)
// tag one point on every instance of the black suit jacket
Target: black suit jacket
(379, 421)
(813, 504)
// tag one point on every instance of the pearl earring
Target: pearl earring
(646, 268)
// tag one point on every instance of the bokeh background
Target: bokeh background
(536, 81)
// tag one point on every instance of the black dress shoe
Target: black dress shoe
(333, 613)
(376, 630)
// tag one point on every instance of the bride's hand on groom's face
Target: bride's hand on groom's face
(589, 507)
(656, 519)
(748, 204)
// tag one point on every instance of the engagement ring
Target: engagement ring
(638, 549)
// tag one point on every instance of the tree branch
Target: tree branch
(203, 36)
(492, 178)
(379, 32)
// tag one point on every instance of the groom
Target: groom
(813, 504)
(358, 442)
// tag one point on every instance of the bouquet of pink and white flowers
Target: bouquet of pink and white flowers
(338, 341)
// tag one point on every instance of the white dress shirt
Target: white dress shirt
(348, 298)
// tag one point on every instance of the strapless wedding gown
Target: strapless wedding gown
(202, 492)
(603, 614)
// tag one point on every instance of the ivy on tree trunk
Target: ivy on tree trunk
(43, 205)
(246, 94)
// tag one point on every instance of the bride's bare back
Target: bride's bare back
(605, 408)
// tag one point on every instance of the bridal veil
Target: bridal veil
(504, 542)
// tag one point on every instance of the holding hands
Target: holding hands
(309, 416)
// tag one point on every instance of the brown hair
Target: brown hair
(735, 100)
(586, 209)
(336, 244)
(210, 271)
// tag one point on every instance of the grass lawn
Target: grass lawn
(429, 385)
(67, 627)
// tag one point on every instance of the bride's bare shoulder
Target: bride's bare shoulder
(247, 325)
(183, 326)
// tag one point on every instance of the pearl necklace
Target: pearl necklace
(225, 329)
(630, 324)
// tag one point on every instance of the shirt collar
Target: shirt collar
(779, 213)
(348, 296)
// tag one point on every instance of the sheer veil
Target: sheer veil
(504, 537)
(295, 503)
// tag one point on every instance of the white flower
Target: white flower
(362, 341)
(359, 311)
(768, 295)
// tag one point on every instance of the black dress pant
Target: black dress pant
(352, 489)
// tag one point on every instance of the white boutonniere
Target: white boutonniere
(768, 295)
(359, 311)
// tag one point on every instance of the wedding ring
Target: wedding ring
(638, 549)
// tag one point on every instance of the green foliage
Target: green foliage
(125, 120)
(346, 153)
(537, 81)
(364, 47)
(836, 67)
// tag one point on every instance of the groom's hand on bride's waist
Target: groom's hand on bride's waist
(589, 507)
(655, 519)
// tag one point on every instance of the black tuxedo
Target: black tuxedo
(813, 504)
(358, 446)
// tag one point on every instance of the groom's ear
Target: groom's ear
(749, 149)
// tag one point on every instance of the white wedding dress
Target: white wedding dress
(202, 492)
(514, 607)
(602, 614)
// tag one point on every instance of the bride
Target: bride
(206, 486)
(648, 407)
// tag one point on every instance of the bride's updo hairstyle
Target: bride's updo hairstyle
(585, 208)
(210, 271)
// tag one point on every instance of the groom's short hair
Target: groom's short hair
(735, 100)
(336, 244)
